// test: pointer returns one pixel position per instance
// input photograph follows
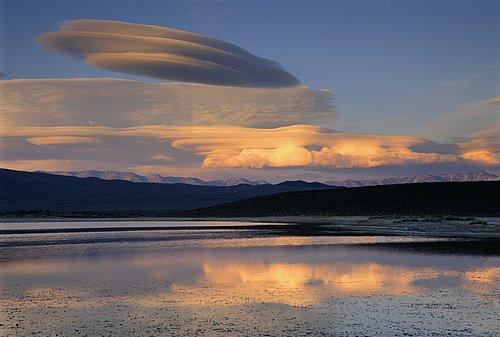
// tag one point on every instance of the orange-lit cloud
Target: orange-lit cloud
(482, 157)
(482, 147)
(240, 147)
(164, 53)
(58, 140)
(347, 155)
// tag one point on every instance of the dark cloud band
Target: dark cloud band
(164, 53)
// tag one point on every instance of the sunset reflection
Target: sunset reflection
(287, 283)
(483, 280)
(219, 280)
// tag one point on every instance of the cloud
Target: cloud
(482, 147)
(147, 125)
(58, 140)
(161, 157)
(474, 117)
(241, 147)
(482, 157)
(164, 53)
(474, 129)
(51, 164)
(349, 156)
(124, 103)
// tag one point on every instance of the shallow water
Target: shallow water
(247, 282)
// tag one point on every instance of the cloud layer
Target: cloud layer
(164, 53)
(122, 103)
(240, 147)
(212, 127)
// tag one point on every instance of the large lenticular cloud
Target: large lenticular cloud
(164, 53)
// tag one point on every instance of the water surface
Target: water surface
(245, 282)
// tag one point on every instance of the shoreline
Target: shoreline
(276, 219)
(448, 227)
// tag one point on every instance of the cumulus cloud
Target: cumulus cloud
(349, 155)
(164, 53)
(124, 103)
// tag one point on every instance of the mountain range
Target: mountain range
(156, 178)
(438, 178)
(35, 193)
(28, 191)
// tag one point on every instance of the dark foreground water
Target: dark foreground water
(243, 282)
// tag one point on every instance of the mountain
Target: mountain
(29, 191)
(108, 175)
(470, 176)
(443, 198)
(155, 178)
(235, 181)
(445, 177)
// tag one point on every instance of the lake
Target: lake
(249, 281)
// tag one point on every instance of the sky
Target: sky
(272, 90)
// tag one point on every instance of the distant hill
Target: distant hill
(455, 198)
(445, 177)
(28, 191)
(156, 178)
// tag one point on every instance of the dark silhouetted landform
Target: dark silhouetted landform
(45, 194)
(460, 198)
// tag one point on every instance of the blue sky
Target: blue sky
(393, 66)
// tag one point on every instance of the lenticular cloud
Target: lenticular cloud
(164, 53)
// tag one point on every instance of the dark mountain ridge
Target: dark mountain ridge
(28, 191)
(447, 198)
